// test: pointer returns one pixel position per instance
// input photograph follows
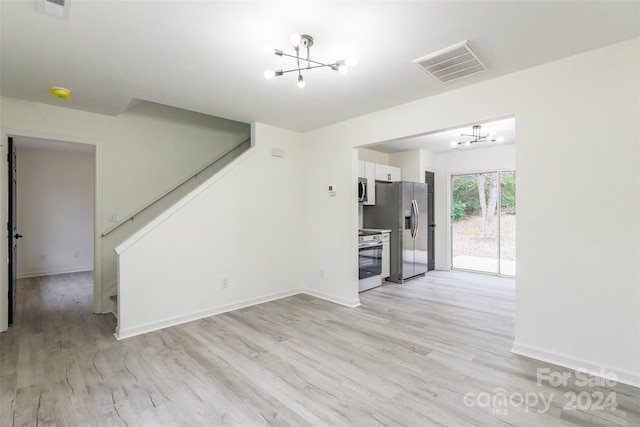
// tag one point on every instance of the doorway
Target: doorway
(51, 210)
(429, 178)
(483, 222)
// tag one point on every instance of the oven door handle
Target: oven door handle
(370, 245)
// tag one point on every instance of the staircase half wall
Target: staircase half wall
(230, 243)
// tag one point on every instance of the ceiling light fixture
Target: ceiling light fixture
(477, 137)
(305, 42)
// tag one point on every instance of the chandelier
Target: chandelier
(477, 137)
(304, 42)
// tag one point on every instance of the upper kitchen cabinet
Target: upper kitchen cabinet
(368, 170)
(361, 169)
(370, 174)
(388, 173)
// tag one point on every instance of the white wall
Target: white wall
(331, 223)
(414, 163)
(373, 156)
(410, 162)
(427, 161)
(144, 151)
(243, 225)
(140, 153)
(55, 205)
(578, 163)
(455, 163)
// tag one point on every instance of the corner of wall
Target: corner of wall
(243, 230)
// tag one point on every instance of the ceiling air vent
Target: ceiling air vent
(452, 63)
(59, 8)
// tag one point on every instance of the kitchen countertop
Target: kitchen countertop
(379, 230)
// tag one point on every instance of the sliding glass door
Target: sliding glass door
(507, 221)
(483, 217)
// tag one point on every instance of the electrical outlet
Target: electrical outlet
(42, 258)
(224, 284)
(322, 273)
(76, 254)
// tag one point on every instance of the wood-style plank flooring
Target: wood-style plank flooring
(431, 352)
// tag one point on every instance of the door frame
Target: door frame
(450, 177)
(430, 178)
(5, 133)
(12, 279)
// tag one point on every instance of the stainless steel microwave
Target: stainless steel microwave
(362, 190)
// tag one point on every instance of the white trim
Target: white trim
(173, 321)
(6, 132)
(183, 202)
(573, 363)
(332, 298)
(178, 320)
(98, 295)
(476, 171)
(67, 270)
(449, 223)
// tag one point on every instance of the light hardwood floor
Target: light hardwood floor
(407, 357)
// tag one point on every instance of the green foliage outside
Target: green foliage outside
(465, 194)
(459, 210)
(508, 192)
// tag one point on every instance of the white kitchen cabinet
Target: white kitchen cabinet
(370, 174)
(368, 170)
(388, 173)
(396, 174)
(386, 256)
(361, 169)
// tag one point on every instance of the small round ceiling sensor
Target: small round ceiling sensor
(60, 92)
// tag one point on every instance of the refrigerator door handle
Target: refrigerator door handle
(414, 219)
(417, 218)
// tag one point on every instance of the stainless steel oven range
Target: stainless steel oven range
(369, 260)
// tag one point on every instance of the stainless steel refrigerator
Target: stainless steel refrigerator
(402, 208)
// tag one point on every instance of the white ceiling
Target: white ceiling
(206, 56)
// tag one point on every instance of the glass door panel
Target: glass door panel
(508, 223)
(475, 222)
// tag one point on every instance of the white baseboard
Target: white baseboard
(54, 272)
(161, 324)
(331, 298)
(178, 320)
(573, 363)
